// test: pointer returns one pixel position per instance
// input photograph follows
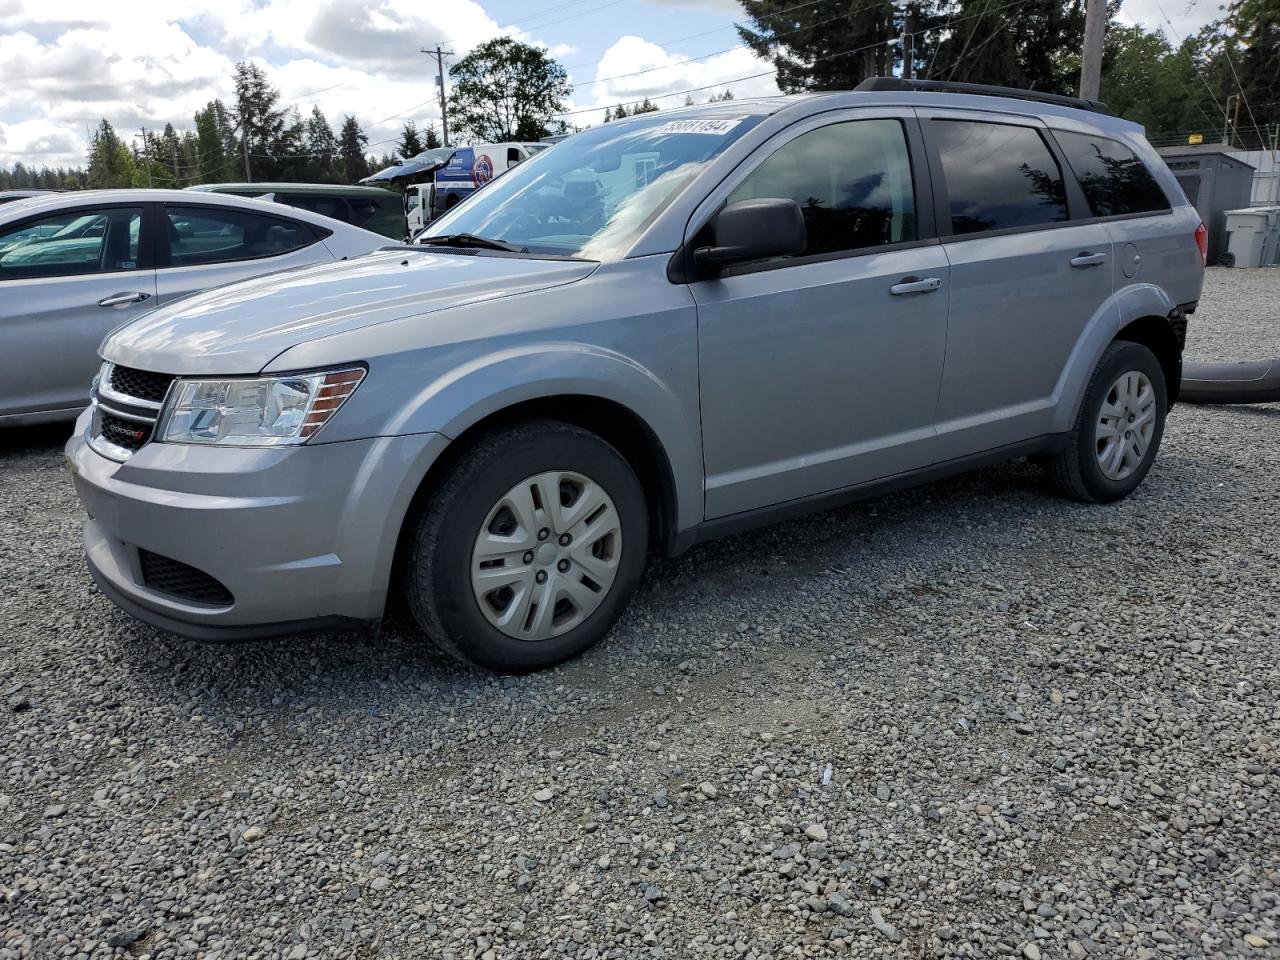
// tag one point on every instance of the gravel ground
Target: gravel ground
(967, 720)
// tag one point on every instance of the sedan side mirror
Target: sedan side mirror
(753, 230)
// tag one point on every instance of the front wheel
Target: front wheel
(529, 550)
(1118, 430)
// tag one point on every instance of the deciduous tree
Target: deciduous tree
(507, 90)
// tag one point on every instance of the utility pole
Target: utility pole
(1095, 25)
(909, 42)
(444, 113)
(146, 154)
(1226, 118)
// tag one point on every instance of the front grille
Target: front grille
(126, 406)
(142, 384)
(180, 580)
(129, 434)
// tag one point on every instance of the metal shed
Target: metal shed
(1214, 182)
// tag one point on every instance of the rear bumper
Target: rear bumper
(301, 538)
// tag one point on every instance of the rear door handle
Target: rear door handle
(915, 285)
(1087, 259)
(119, 299)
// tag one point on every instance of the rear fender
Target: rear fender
(1124, 306)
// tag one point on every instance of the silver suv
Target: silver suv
(662, 330)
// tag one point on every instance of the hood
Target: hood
(239, 328)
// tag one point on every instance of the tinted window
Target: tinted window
(1113, 179)
(71, 243)
(851, 180)
(998, 176)
(206, 235)
(334, 207)
(362, 211)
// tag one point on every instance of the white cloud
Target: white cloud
(634, 68)
(1187, 16)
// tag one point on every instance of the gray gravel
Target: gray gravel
(1241, 316)
(968, 720)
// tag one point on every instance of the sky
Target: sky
(65, 65)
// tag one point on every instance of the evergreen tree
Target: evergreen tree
(321, 148)
(1256, 23)
(410, 144)
(645, 106)
(260, 120)
(110, 162)
(431, 138)
(1034, 46)
(831, 45)
(351, 143)
(215, 165)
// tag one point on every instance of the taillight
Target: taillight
(1202, 241)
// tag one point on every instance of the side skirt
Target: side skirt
(775, 513)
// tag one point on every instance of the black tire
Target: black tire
(437, 569)
(1074, 471)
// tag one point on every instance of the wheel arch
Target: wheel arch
(595, 389)
(1140, 312)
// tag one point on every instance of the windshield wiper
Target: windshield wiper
(471, 240)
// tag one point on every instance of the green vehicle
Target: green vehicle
(371, 208)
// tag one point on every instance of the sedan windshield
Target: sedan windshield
(594, 194)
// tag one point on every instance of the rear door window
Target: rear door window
(998, 176)
(200, 235)
(1115, 182)
(72, 243)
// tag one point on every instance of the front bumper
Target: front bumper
(300, 537)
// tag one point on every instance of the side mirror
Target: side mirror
(753, 230)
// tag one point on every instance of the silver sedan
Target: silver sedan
(74, 266)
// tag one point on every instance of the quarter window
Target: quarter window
(998, 176)
(72, 243)
(852, 181)
(1113, 179)
(199, 235)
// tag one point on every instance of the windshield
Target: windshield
(435, 154)
(595, 193)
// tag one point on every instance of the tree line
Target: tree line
(1173, 86)
(507, 90)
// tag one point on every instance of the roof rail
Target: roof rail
(982, 90)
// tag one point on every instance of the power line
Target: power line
(541, 26)
(740, 46)
(888, 41)
(1194, 65)
(1262, 141)
(706, 33)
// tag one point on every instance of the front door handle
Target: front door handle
(120, 299)
(1087, 259)
(915, 285)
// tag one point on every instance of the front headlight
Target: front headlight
(256, 412)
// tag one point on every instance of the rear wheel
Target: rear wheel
(530, 550)
(1118, 430)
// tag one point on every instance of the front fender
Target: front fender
(488, 384)
(1126, 305)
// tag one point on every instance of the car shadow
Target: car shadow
(36, 439)
(374, 669)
